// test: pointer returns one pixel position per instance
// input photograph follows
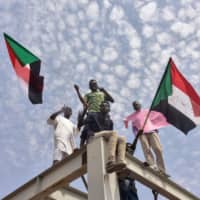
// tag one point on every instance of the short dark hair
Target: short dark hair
(92, 80)
(67, 108)
(136, 103)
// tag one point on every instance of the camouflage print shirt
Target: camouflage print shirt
(94, 100)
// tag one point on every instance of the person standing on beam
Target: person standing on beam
(102, 126)
(92, 101)
(147, 128)
(64, 133)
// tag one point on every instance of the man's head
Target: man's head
(93, 85)
(105, 107)
(136, 105)
(67, 112)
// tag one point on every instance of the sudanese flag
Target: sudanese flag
(177, 100)
(27, 68)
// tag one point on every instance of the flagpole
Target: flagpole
(140, 132)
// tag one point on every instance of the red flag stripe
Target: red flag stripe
(180, 82)
(21, 71)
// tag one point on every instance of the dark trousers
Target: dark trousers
(90, 127)
(127, 189)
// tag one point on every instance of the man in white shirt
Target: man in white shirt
(65, 131)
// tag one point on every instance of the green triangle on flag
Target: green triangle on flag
(23, 54)
(165, 87)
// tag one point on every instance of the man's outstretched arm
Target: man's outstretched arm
(80, 96)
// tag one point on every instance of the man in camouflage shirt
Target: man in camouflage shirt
(92, 101)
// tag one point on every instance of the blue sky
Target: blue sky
(124, 45)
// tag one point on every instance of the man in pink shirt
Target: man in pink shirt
(149, 138)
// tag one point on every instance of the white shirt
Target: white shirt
(64, 134)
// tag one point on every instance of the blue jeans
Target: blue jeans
(127, 189)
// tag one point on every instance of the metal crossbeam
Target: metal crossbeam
(52, 179)
(161, 184)
(101, 186)
(138, 171)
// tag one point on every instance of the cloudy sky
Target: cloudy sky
(125, 45)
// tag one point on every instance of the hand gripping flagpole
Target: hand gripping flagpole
(140, 132)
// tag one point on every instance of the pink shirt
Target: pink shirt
(155, 120)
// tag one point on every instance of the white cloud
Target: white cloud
(126, 29)
(89, 45)
(106, 3)
(189, 49)
(65, 49)
(121, 70)
(6, 18)
(104, 67)
(138, 4)
(92, 24)
(134, 41)
(93, 10)
(110, 81)
(168, 13)
(186, 2)
(83, 55)
(110, 54)
(164, 38)
(195, 54)
(134, 63)
(187, 13)
(166, 53)
(81, 15)
(134, 53)
(194, 79)
(85, 36)
(118, 108)
(92, 59)
(126, 92)
(183, 29)
(133, 82)
(155, 67)
(59, 6)
(155, 47)
(72, 6)
(61, 25)
(117, 13)
(51, 6)
(83, 2)
(71, 20)
(194, 66)
(97, 37)
(81, 67)
(148, 12)
(148, 31)
(99, 76)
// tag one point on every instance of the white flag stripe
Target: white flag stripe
(27, 66)
(181, 102)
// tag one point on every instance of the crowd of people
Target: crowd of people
(95, 121)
